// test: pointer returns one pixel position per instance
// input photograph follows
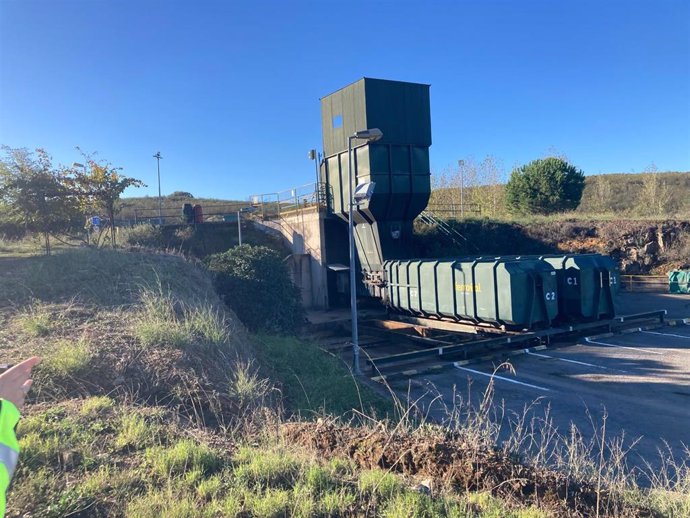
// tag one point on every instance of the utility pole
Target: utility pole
(158, 157)
(461, 168)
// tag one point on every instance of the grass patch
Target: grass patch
(380, 484)
(168, 503)
(96, 406)
(135, 432)
(247, 386)
(35, 320)
(265, 469)
(165, 320)
(313, 381)
(67, 359)
(185, 455)
(101, 276)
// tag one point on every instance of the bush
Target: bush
(10, 229)
(144, 235)
(254, 282)
(545, 186)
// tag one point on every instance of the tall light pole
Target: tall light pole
(370, 135)
(461, 168)
(158, 157)
(315, 156)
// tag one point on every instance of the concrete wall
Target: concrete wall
(303, 231)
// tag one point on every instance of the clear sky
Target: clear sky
(229, 91)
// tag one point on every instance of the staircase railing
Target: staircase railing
(429, 218)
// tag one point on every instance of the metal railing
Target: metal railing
(289, 201)
(658, 283)
(429, 218)
(173, 215)
(454, 210)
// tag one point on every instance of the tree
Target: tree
(35, 194)
(181, 194)
(100, 186)
(545, 186)
(601, 195)
(655, 196)
(472, 188)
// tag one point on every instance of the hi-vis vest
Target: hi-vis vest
(9, 447)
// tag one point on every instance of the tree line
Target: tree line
(38, 197)
(544, 186)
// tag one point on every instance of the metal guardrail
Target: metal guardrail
(656, 283)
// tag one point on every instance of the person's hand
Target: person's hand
(16, 381)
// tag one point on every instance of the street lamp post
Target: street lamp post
(239, 228)
(370, 135)
(158, 157)
(316, 157)
(461, 169)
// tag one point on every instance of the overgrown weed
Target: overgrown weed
(164, 319)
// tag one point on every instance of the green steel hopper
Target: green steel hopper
(398, 163)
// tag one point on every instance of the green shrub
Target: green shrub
(545, 186)
(255, 283)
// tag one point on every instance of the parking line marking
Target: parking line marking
(589, 341)
(501, 378)
(666, 334)
(527, 351)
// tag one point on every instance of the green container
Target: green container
(679, 281)
(516, 293)
(587, 286)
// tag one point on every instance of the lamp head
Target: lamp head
(372, 135)
(363, 192)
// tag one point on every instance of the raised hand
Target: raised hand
(16, 381)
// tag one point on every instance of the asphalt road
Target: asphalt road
(640, 381)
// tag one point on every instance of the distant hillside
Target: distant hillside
(625, 194)
(147, 206)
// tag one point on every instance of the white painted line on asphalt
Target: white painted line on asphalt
(501, 378)
(666, 334)
(622, 347)
(527, 351)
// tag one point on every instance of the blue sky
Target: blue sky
(229, 91)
